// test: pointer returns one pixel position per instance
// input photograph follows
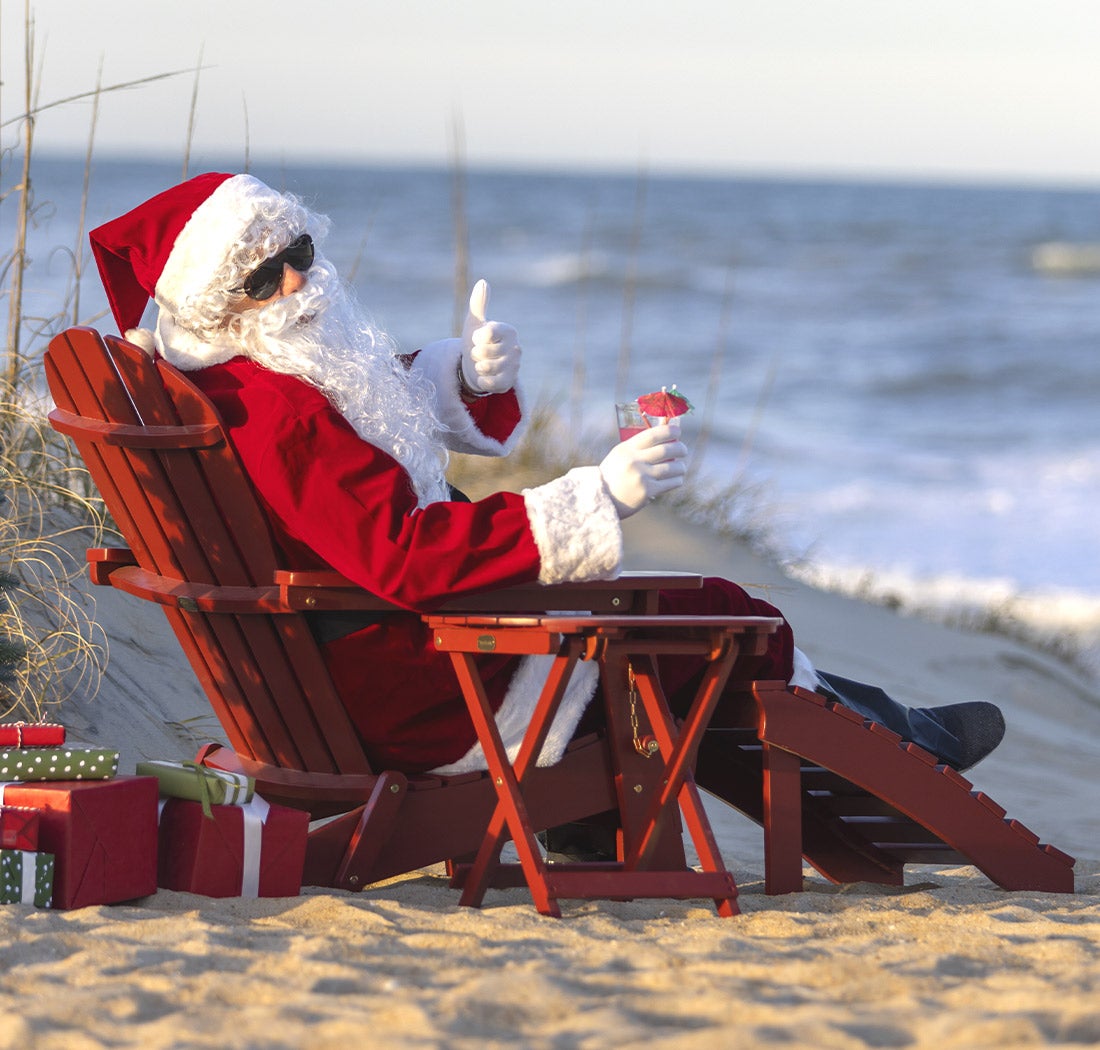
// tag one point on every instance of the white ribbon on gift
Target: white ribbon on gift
(236, 786)
(30, 870)
(255, 816)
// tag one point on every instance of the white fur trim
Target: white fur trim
(576, 528)
(142, 338)
(439, 362)
(804, 674)
(187, 351)
(208, 239)
(518, 707)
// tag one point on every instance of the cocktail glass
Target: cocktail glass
(631, 419)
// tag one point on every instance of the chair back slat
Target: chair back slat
(189, 513)
(75, 386)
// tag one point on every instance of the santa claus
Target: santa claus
(345, 440)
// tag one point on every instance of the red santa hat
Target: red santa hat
(170, 247)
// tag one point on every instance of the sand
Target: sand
(949, 960)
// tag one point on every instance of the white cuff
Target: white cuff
(576, 528)
(440, 362)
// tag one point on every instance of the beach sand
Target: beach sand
(948, 961)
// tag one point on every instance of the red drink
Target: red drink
(631, 420)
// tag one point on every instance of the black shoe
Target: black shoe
(959, 735)
(977, 725)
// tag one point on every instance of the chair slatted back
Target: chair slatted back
(158, 453)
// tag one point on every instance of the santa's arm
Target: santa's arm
(353, 506)
(487, 424)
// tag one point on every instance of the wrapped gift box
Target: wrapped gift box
(189, 780)
(102, 834)
(31, 734)
(236, 851)
(18, 828)
(26, 877)
(57, 763)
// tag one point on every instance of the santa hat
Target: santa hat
(171, 247)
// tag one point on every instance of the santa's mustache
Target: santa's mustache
(294, 312)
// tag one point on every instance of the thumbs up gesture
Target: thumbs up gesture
(490, 349)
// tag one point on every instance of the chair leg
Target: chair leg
(370, 837)
(782, 821)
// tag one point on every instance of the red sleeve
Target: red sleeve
(352, 504)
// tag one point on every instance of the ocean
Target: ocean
(905, 377)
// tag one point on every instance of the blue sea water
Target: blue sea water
(907, 375)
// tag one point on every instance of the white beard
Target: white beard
(320, 335)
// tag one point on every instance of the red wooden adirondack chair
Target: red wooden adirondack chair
(200, 547)
(848, 796)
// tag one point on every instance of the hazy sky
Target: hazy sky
(973, 88)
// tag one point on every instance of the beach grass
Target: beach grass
(48, 515)
(49, 510)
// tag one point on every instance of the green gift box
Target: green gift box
(26, 878)
(195, 783)
(57, 763)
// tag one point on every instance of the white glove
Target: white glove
(638, 470)
(490, 349)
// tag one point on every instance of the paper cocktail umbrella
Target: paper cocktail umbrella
(665, 403)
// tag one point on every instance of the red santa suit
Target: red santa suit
(337, 501)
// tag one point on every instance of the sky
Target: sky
(989, 90)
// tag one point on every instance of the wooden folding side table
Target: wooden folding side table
(653, 771)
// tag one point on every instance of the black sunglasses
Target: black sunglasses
(263, 282)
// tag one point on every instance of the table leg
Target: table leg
(510, 809)
(680, 751)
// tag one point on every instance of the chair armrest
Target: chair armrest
(296, 590)
(102, 561)
(632, 592)
(196, 597)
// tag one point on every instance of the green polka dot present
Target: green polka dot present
(26, 877)
(57, 763)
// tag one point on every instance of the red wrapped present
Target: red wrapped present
(102, 834)
(251, 850)
(18, 828)
(31, 734)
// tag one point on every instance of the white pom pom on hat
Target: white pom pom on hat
(142, 338)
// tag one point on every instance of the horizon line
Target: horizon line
(579, 168)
